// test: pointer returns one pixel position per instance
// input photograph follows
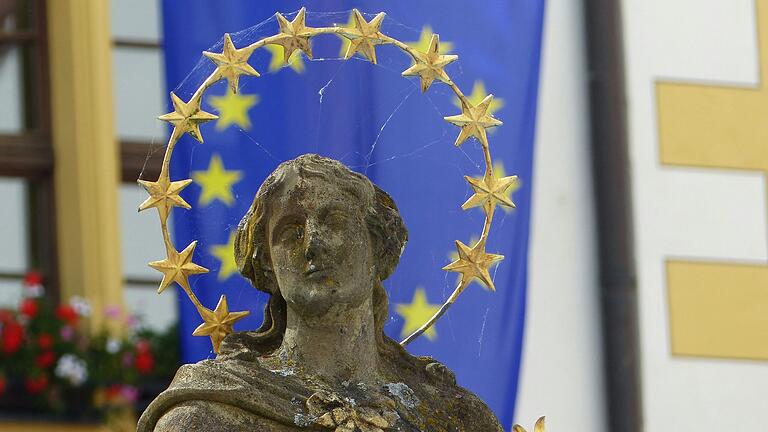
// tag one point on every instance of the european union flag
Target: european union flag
(377, 122)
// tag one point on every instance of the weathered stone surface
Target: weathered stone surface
(319, 239)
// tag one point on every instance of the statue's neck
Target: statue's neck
(333, 352)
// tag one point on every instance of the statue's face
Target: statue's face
(320, 248)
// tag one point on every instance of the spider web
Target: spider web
(431, 147)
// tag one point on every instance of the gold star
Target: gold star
(225, 253)
(293, 35)
(500, 172)
(538, 427)
(216, 182)
(490, 191)
(164, 195)
(453, 255)
(425, 38)
(232, 62)
(473, 263)
(217, 323)
(177, 267)
(477, 96)
(186, 118)
(430, 65)
(233, 109)
(417, 313)
(473, 120)
(365, 36)
(296, 62)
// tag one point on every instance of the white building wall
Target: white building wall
(690, 212)
(562, 365)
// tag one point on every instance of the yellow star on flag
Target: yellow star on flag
(225, 253)
(365, 35)
(186, 117)
(216, 182)
(217, 323)
(177, 267)
(232, 62)
(164, 195)
(233, 109)
(477, 96)
(473, 263)
(416, 313)
(473, 121)
(425, 37)
(277, 62)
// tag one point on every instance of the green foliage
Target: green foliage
(47, 363)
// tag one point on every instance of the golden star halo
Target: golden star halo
(490, 191)
(294, 35)
(430, 65)
(186, 117)
(164, 195)
(177, 267)
(473, 121)
(217, 323)
(232, 62)
(364, 36)
(472, 263)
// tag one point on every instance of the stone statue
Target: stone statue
(319, 239)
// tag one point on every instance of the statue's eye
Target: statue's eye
(291, 233)
(336, 219)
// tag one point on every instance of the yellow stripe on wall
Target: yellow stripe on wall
(86, 174)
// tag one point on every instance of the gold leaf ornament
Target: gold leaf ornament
(538, 427)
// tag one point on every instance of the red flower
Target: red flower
(45, 359)
(45, 341)
(5, 315)
(28, 308)
(3, 385)
(12, 337)
(33, 278)
(143, 346)
(112, 391)
(144, 362)
(37, 384)
(67, 314)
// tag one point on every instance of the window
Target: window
(27, 227)
(139, 99)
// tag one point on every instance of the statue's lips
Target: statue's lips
(317, 272)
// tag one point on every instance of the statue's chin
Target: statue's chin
(319, 300)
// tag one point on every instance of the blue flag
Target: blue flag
(379, 123)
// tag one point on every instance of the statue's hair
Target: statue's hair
(387, 232)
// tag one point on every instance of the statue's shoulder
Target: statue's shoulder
(211, 416)
(224, 391)
(464, 409)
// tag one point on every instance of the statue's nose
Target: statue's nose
(313, 245)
